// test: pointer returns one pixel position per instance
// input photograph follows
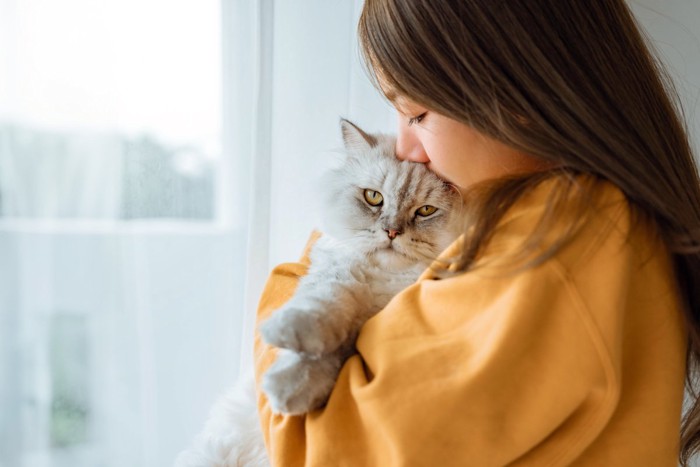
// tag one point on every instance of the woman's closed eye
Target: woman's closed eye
(416, 119)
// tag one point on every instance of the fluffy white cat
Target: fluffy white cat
(385, 221)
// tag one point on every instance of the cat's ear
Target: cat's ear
(354, 139)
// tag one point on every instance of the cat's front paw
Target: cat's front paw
(304, 331)
(295, 384)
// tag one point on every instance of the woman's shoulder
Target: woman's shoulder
(598, 222)
(599, 252)
(611, 275)
(578, 234)
(563, 200)
(575, 220)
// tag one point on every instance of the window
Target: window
(118, 277)
(109, 110)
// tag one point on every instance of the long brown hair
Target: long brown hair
(573, 82)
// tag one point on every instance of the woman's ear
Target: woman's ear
(354, 139)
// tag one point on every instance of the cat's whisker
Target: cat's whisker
(425, 242)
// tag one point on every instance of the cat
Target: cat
(385, 221)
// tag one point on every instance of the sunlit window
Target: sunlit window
(110, 113)
(109, 109)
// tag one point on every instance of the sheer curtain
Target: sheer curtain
(157, 158)
(120, 281)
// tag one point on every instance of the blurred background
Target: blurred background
(157, 158)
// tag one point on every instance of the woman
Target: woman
(564, 338)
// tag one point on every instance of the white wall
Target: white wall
(674, 26)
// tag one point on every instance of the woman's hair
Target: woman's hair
(572, 82)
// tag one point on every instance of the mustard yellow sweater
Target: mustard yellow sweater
(578, 361)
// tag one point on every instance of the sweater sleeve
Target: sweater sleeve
(478, 369)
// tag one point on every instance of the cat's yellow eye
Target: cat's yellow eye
(426, 211)
(373, 198)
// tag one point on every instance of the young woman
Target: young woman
(568, 333)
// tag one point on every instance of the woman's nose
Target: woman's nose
(409, 146)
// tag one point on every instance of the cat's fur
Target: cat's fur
(365, 256)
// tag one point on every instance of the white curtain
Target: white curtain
(122, 229)
(145, 197)
(47, 175)
(133, 248)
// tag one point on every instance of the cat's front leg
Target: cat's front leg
(318, 321)
(296, 384)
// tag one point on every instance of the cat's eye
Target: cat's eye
(425, 211)
(373, 197)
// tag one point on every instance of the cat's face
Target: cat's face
(397, 210)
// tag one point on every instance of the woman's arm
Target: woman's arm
(486, 369)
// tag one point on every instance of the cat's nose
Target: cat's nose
(392, 233)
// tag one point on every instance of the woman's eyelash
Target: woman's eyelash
(416, 119)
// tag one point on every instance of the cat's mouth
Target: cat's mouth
(393, 248)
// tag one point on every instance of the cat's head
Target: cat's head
(397, 210)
